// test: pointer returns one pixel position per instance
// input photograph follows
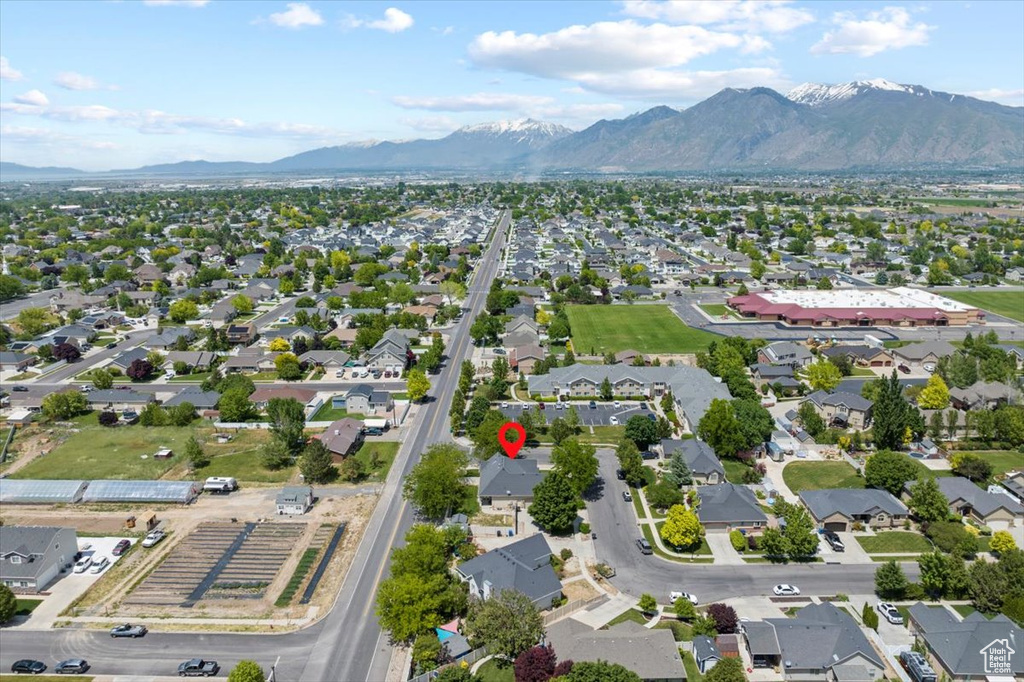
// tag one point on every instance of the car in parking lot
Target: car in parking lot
(673, 596)
(498, 351)
(82, 564)
(154, 537)
(593, 405)
(627, 496)
(27, 665)
(121, 547)
(890, 612)
(99, 565)
(72, 666)
(613, 420)
(197, 667)
(784, 590)
(504, 405)
(128, 630)
(644, 546)
(617, 404)
(832, 538)
(643, 406)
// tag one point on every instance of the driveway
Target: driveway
(721, 549)
(853, 553)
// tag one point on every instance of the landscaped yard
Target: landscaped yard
(470, 502)
(703, 550)
(491, 671)
(326, 413)
(893, 541)
(820, 475)
(718, 310)
(384, 451)
(692, 671)
(599, 329)
(1006, 303)
(23, 607)
(734, 470)
(1002, 460)
(198, 377)
(627, 615)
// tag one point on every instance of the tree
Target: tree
(235, 406)
(275, 455)
(554, 504)
(599, 671)
(631, 462)
(558, 329)
(182, 414)
(435, 486)
(935, 572)
(682, 529)
(66, 352)
(11, 287)
(720, 429)
(648, 605)
(102, 379)
(247, 671)
(869, 616)
(641, 431)
(426, 651)
(507, 623)
(194, 454)
(350, 470)
(183, 310)
(417, 385)
(455, 673)
(577, 462)
(107, 418)
(685, 609)
(408, 605)
(288, 367)
(485, 435)
(823, 375)
(773, 544)
(559, 430)
(927, 501)
(971, 466)
(287, 422)
(33, 321)
(1002, 542)
(890, 581)
(756, 423)
(889, 470)
(242, 303)
(726, 670)
(316, 464)
(810, 419)
(891, 414)
(8, 604)
(572, 419)
(801, 540)
(725, 618)
(935, 394)
(606, 389)
(987, 586)
(64, 405)
(678, 470)
(279, 345)
(139, 369)
(703, 625)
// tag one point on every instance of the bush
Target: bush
(584, 527)
(107, 418)
(738, 540)
(914, 592)
(566, 554)
(870, 617)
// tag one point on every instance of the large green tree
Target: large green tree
(287, 419)
(316, 463)
(507, 623)
(8, 604)
(682, 529)
(631, 462)
(927, 501)
(726, 670)
(641, 431)
(889, 470)
(756, 423)
(64, 405)
(890, 414)
(435, 486)
(577, 462)
(554, 504)
(890, 581)
(720, 429)
(823, 375)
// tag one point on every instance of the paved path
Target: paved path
(722, 550)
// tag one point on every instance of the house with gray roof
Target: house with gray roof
(974, 648)
(392, 351)
(727, 506)
(705, 653)
(842, 409)
(505, 480)
(365, 399)
(118, 399)
(995, 510)
(983, 395)
(200, 399)
(923, 353)
(32, 556)
(704, 465)
(819, 638)
(125, 359)
(524, 566)
(651, 654)
(839, 509)
(16, 361)
(785, 353)
(1014, 484)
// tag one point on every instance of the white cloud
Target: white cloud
(890, 28)
(682, 86)
(33, 98)
(481, 101)
(772, 16)
(431, 124)
(46, 138)
(394, 21)
(8, 73)
(297, 15)
(176, 3)
(1013, 98)
(69, 80)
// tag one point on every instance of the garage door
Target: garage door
(837, 526)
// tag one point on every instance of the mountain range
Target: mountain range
(873, 124)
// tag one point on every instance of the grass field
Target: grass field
(643, 328)
(23, 607)
(891, 542)
(820, 475)
(495, 670)
(385, 452)
(627, 615)
(1002, 460)
(718, 310)
(1006, 303)
(734, 470)
(326, 413)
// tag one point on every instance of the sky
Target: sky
(119, 84)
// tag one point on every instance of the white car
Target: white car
(99, 565)
(617, 404)
(613, 420)
(82, 564)
(786, 590)
(504, 405)
(153, 538)
(673, 596)
(891, 613)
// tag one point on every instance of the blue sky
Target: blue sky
(100, 85)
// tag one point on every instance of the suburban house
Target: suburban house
(508, 480)
(392, 351)
(295, 499)
(861, 355)
(365, 399)
(842, 409)
(250, 360)
(525, 566)
(974, 648)
(521, 324)
(839, 509)
(995, 510)
(923, 353)
(168, 338)
(704, 465)
(343, 437)
(241, 333)
(196, 396)
(16, 361)
(820, 642)
(785, 353)
(125, 359)
(983, 395)
(32, 556)
(762, 373)
(264, 394)
(651, 654)
(705, 653)
(328, 359)
(524, 358)
(117, 399)
(197, 360)
(1014, 483)
(727, 507)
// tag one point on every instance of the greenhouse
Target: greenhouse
(182, 492)
(14, 491)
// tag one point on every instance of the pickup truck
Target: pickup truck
(197, 667)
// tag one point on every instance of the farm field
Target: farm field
(1006, 303)
(644, 328)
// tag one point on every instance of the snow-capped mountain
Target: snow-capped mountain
(816, 94)
(525, 131)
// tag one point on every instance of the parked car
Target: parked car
(86, 389)
(832, 538)
(27, 665)
(197, 667)
(373, 431)
(673, 596)
(644, 546)
(650, 415)
(99, 565)
(82, 564)
(620, 474)
(112, 344)
(903, 368)
(129, 630)
(504, 406)
(593, 405)
(498, 351)
(891, 613)
(121, 547)
(929, 367)
(19, 389)
(540, 406)
(626, 496)
(613, 420)
(643, 406)
(72, 666)
(786, 590)
(154, 537)
(647, 454)
(617, 404)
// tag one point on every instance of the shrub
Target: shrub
(107, 418)
(752, 542)
(584, 527)
(738, 540)
(724, 617)
(914, 592)
(870, 617)
(566, 554)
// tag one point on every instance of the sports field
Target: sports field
(644, 328)
(1006, 303)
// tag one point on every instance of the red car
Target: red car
(121, 547)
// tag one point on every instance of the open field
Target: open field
(644, 328)
(1006, 303)
(820, 475)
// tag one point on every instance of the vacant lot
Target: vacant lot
(602, 329)
(891, 542)
(376, 458)
(1006, 303)
(820, 475)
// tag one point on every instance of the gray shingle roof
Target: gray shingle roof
(500, 475)
(959, 644)
(651, 654)
(983, 502)
(820, 636)
(524, 565)
(851, 401)
(730, 503)
(699, 456)
(851, 502)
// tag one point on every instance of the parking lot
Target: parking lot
(601, 415)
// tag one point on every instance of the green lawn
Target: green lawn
(1002, 460)
(23, 607)
(644, 328)
(891, 542)
(685, 559)
(638, 505)
(245, 466)
(198, 377)
(703, 550)
(470, 502)
(385, 452)
(627, 615)
(692, 671)
(1006, 303)
(326, 413)
(820, 475)
(734, 470)
(495, 671)
(718, 310)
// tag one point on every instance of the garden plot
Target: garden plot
(257, 562)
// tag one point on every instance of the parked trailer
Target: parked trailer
(220, 484)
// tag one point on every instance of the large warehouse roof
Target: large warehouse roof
(140, 491)
(14, 491)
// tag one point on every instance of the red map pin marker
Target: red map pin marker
(512, 449)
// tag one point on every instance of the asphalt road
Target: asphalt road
(40, 299)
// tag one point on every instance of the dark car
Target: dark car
(593, 405)
(72, 666)
(647, 454)
(833, 540)
(197, 667)
(19, 389)
(112, 344)
(27, 665)
(620, 474)
(128, 630)
(903, 368)
(373, 431)
(650, 415)
(121, 547)
(643, 406)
